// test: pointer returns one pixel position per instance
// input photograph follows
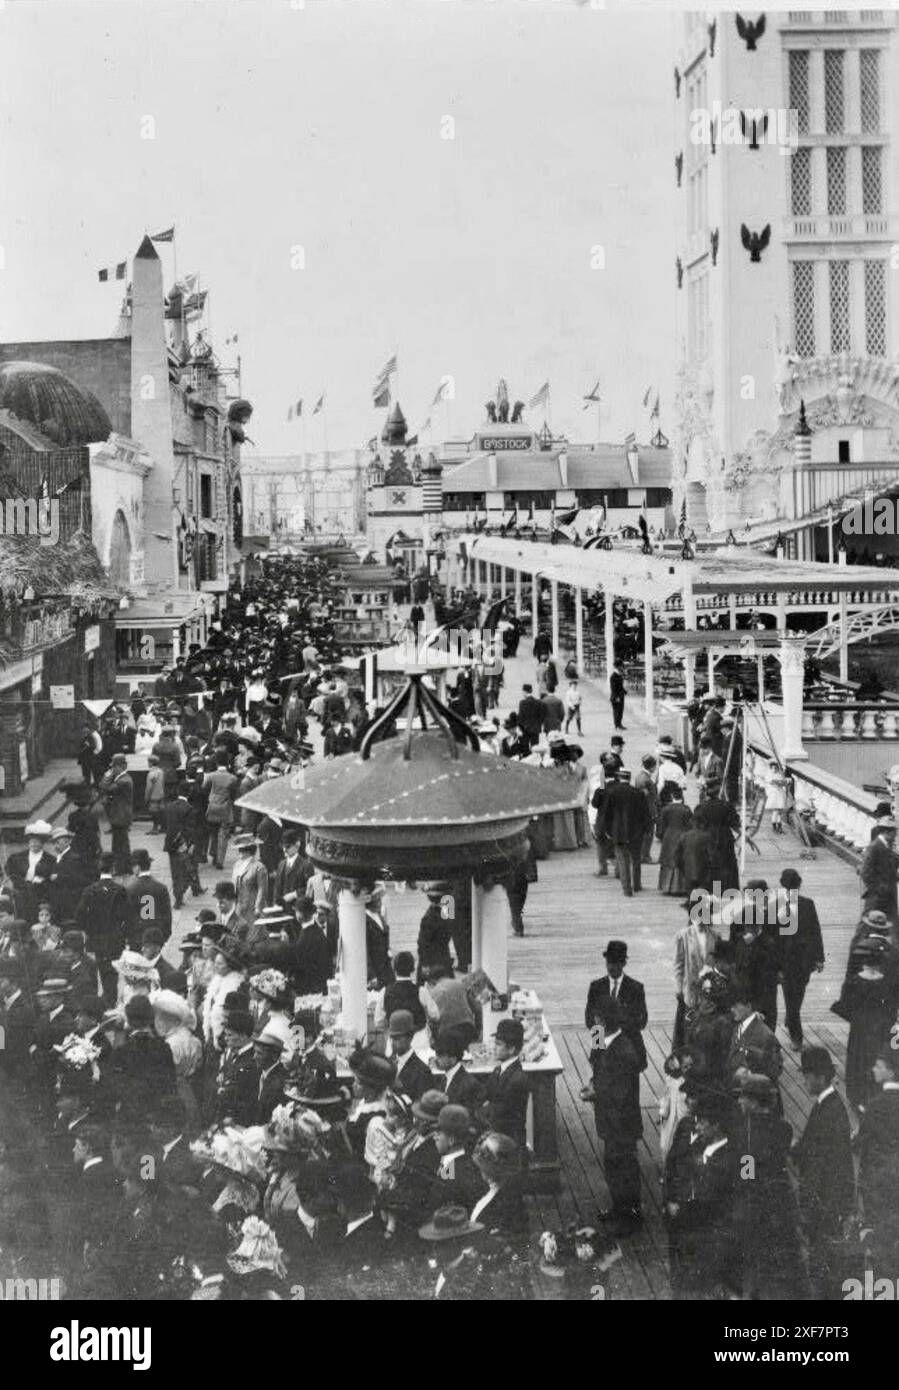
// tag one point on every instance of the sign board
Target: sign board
(505, 443)
(92, 638)
(62, 696)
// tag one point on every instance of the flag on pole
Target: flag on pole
(655, 408)
(540, 398)
(381, 389)
(592, 398)
(646, 395)
(116, 272)
(444, 391)
(167, 235)
(319, 405)
(299, 407)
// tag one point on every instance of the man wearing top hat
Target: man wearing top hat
(628, 993)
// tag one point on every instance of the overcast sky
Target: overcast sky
(322, 126)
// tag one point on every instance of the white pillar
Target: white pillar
(844, 644)
(476, 952)
(792, 672)
(502, 581)
(352, 959)
(495, 921)
(647, 659)
(535, 590)
(711, 672)
(689, 603)
(554, 591)
(176, 644)
(689, 675)
(518, 592)
(579, 630)
(610, 633)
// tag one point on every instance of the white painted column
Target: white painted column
(689, 602)
(609, 633)
(535, 590)
(689, 675)
(554, 591)
(792, 672)
(502, 581)
(352, 958)
(176, 644)
(518, 592)
(649, 704)
(476, 952)
(495, 921)
(711, 672)
(579, 630)
(844, 644)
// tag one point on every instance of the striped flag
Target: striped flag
(167, 235)
(319, 405)
(381, 389)
(540, 398)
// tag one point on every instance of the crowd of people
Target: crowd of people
(202, 1128)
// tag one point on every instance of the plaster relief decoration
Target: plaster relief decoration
(697, 464)
(838, 389)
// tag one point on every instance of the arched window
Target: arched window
(120, 551)
(237, 516)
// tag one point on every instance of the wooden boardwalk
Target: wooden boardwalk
(642, 1272)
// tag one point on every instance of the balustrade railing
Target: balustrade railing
(849, 720)
(844, 813)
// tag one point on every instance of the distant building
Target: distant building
(787, 160)
(57, 607)
(507, 470)
(288, 496)
(175, 431)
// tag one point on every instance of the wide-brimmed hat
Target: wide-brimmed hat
(429, 1105)
(233, 950)
(315, 1083)
(875, 918)
(40, 829)
(62, 832)
(166, 1001)
(268, 1037)
(135, 966)
(244, 841)
(372, 1068)
(449, 1223)
(270, 983)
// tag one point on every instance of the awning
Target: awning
(162, 611)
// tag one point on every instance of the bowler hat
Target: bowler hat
(511, 1032)
(372, 1069)
(224, 889)
(401, 1024)
(454, 1120)
(616, 950)
(429, 1105)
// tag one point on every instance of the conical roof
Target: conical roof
(394, 431)
(47, 398)
(146, 251)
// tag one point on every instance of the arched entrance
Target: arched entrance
(120, 551)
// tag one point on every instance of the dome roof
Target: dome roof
(48, 399)
(394, 431)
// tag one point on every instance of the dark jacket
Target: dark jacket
(178, 821)
(414, 1079)
(269, 1092)
(756, 1049)
(877, 872)
(530, 716)
(465, 1089)
(625, 814)
(118, 798)
(506, 1102)
(71, 875)
(103, 914)
(616, 1086)
(804, 948)
(237, 1087)
(150, 905)
(631, 999)
(403, 994)
(311, 967)
(143, 1074)
(823, 1158)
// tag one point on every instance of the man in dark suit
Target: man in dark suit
(754, 1050)
(178, 825)
(617, 693)
(823, 1159)
(270, 1074)
(460, 1086)
(619, 1124)
(103, 915)
(459, 1181)
(143, 1068)
(629, 995)
(878, 871)
(17, 1020)
(237, 1082)
(508, 1090)
(311, 955)
(878, 1145)
(626, 818)
(530, 714)
(293, 872)
(803, 949)
(413, 1076)
(710, 1253)
(149, 900)
(70, 876)
(117, 791)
